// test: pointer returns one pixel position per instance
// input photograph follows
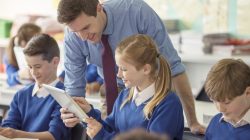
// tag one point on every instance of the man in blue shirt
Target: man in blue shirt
(88, 20)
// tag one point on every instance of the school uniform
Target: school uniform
(167, 117)
(34, 110)
(12, 73)
(221, 129)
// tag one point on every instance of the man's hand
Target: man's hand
(197, 128)
(93, 127)
(183, 90)
(8, 132)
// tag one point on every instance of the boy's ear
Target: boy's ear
(56, 60)
(247, 91)
(147, 69)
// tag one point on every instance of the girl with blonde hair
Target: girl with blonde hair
(146, 102)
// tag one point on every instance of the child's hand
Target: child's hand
(93, 127)
(69, 118)
(83, 103)
(8, 132)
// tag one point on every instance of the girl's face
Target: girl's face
(130, 76)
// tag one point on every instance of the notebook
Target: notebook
(66, 101)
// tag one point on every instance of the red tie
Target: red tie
(109, 73)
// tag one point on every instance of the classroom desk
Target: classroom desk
(7, 94)
(204, 110)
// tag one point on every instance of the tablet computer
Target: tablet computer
(22, 63)
(66, 101)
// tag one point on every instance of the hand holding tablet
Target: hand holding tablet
(66, 101)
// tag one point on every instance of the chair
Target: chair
(79, 133)
(202, 95)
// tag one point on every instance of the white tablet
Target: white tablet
(22, 64)
(66, 101)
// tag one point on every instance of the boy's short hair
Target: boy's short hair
(42, 44)
(227, 79)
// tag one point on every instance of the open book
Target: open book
(4, 138)
(66, 101)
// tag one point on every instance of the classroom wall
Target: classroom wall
(204, 16)
(207, 16)
(30, 7)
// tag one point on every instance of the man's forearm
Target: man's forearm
(183, 90)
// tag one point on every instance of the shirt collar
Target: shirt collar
(246, 117)
(245, 120)
(144, 95)
(109, 25)
(41, 92)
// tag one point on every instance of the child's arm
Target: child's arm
(13, 133)
(12, 73)
(56, 126)
(13, 118)
(96, 131)
(16, 76)
(167, 117)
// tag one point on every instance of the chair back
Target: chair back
(79, 133)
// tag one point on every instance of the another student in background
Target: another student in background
(24, 34)
(228, 86)
(146, 102)
(94, 81)
(33, 112)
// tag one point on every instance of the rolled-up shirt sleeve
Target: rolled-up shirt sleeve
(74, 64)
(150, 23)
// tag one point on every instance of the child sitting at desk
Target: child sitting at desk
(15, 74)
(33, 112)
(147, 102)
(228, 86)
(94, 81)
